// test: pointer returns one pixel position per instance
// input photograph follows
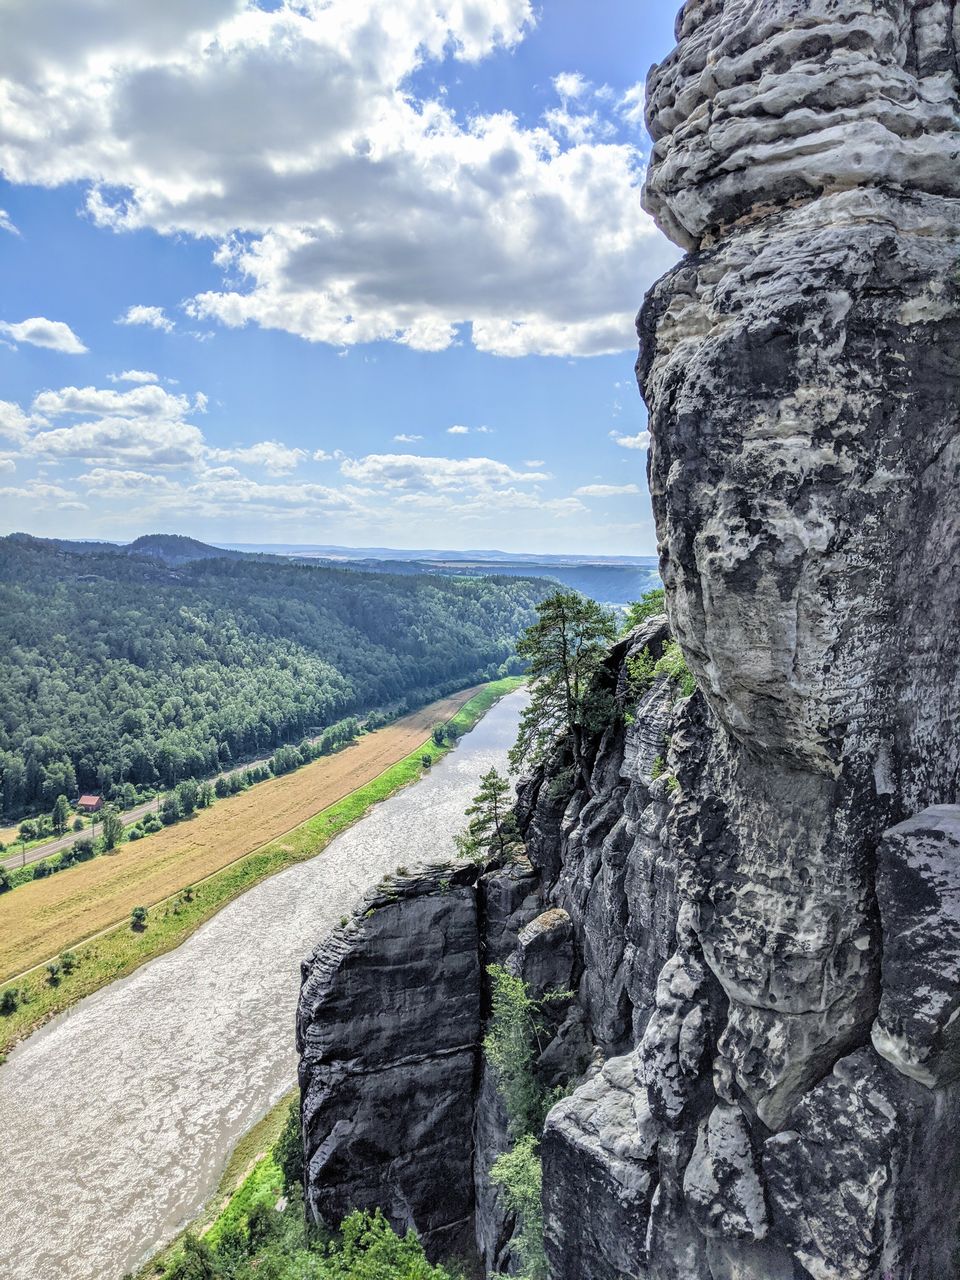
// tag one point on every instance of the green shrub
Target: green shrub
(9, 1001)
(138, 918)
(170, 811)
(511, 1046)
(657, 768)
(288, 1149)
(673, 665)
(518, 1174)
(648, 606)
(69, 962)
(640, 672)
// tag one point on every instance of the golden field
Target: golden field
(47, 916)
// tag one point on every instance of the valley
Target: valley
(185, 873)
(170, 1066)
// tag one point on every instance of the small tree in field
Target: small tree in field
(492, 823)
(112, 828)
(138, 919)
(61, 815)
(565, 649)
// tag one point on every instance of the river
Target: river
(117, 1118)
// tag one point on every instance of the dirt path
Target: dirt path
(42, 918)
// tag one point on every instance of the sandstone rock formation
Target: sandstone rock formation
(801, 367)
(388, 1031)
(758, 901)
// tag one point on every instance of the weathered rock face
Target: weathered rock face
(802, 368)
(388, 1031)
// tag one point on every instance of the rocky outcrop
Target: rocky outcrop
(388, 1031)
(801, 367)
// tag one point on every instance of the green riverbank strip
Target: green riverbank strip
(119, 951)
(251, 1174)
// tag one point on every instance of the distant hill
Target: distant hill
(616, 580)
(610, 579)
(171, 548)
(174, 549)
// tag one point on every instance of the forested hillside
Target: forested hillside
(119, 669)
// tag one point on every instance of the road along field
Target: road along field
(44, 917)
(113, 949)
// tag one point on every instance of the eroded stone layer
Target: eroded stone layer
(768, 102)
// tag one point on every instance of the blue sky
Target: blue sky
(361, 272)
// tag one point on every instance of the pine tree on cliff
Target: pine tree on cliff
(493, 823)
(565, 647)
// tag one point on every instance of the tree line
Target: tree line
(117, 670)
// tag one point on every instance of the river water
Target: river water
(117, 1118)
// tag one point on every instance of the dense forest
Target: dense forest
(120, 668)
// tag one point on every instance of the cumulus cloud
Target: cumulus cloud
(37, 491)
(153, 317)
(425, 475)
(457, 431)
(633, 104)
(640, 441)
(7, 223)
(7, 462)
(275, 458)
(40, 332)
(404, 438)
(133, 375)
(14, 423)
(570, 84)
(345, 208)
(605, 490)
(143, 425)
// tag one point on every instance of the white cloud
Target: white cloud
(40, 332)
(605, 490)
(640, 441)
(632, 105)
(143, 425)
(458, 431)
(276, 458)
(133, 375)
(425, 475)
(571, 84)
(534, 463)
(148, 400)
(14, 423)
(7, 462)
(36, 491)
(7, 223)
(268, 129)
(404, 438)
(153, 317)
